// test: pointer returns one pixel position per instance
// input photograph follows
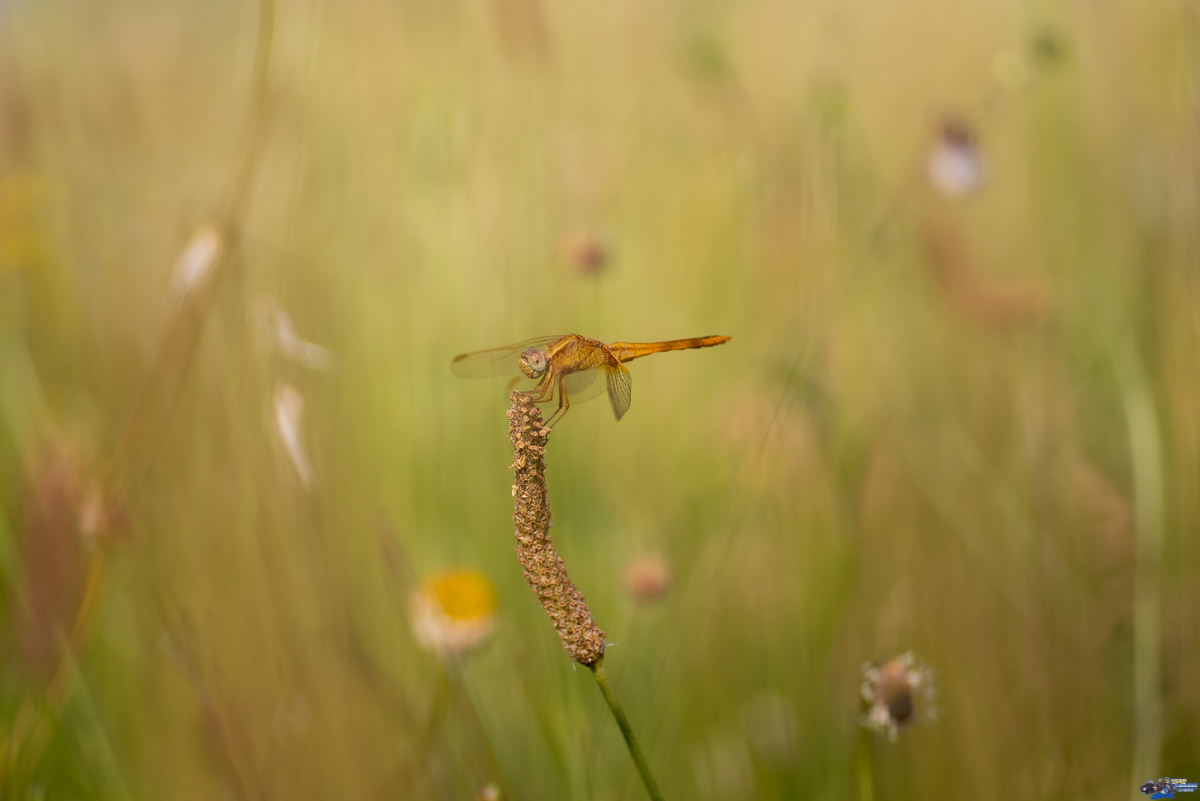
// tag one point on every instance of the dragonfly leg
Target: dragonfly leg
(564, 403)
(544, 392)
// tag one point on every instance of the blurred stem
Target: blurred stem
(1145, 448)
(451, 695)
(91, 588)
(152, 411)
(24, 410)
(437, 716)
(485, 752)
(156, 402)
(262, 60)
(866, 778)
(635, 750)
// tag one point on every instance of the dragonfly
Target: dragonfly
(570, 367)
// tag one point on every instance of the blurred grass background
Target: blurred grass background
(963, 427)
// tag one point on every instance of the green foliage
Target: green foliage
(918, 437)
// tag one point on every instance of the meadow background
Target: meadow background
(961, 426)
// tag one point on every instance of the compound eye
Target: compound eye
(533, 362)
(537, 360)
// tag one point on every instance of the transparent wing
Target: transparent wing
(497, 361)
(583, 385)
(620, 388)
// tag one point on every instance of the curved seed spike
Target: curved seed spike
(544, 569)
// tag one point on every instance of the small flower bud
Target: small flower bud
(647, 578)
(584, 253)
(955, 166)
(897, 694)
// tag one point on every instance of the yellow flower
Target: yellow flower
(454, 612)
(23, 242)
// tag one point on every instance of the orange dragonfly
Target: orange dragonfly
(570, 367)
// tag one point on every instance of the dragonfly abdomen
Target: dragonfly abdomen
(628, 351)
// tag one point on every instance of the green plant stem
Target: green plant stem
(143, 432)
(437, 716)
(1145, 446)
(866, 779)
(635, 750)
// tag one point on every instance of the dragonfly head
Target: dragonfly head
(533, 362)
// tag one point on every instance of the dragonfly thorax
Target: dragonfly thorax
(533, 362)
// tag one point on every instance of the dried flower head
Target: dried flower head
(454, 612)
(647, 578)
(544, 569)
(955, 166)
(897, 694)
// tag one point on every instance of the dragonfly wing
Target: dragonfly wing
(583, 385)
(620, 388)
(497, 361)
